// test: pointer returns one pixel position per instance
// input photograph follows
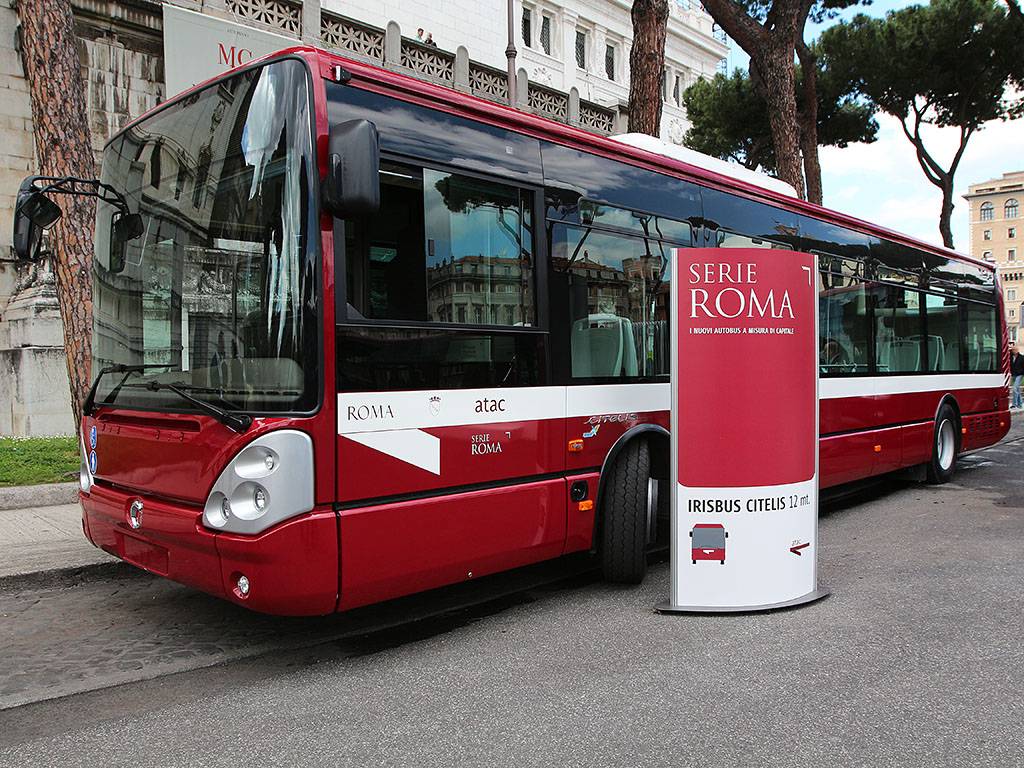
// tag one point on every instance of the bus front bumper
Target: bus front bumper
(291, 569)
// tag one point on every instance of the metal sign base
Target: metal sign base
(667, 607)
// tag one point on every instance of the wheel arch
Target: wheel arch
(948, 398)
(658, 444)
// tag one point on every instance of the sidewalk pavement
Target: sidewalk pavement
(45, 540)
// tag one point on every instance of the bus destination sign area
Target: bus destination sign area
(744, 430)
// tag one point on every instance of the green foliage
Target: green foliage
(947, 63)
(952, 63)
(34, 460)
(730, 120)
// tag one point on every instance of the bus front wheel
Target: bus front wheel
(945, 445)
(625, 524)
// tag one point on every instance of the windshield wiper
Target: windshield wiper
(238, 422)
(90, 399)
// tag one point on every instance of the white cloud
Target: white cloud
(883, 183)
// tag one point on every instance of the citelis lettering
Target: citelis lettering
(725, 300)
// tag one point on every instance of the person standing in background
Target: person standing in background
(1016, 375)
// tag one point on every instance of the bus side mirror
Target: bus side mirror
(352, 184)
(124, 227)
(34, 212)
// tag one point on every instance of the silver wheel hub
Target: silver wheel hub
(945, 444)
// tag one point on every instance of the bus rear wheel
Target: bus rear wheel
(625, 515)
(945, 446)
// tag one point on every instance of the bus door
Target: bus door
(450, 444)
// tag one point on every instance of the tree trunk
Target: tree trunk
(63, 148)
(808, 121)
(646, 64)
(776, 71)
(946, 215)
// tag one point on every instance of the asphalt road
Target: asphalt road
(915, 659)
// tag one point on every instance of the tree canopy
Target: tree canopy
(729, 118)
(772, 34)
(952, 63)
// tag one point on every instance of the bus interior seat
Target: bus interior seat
(899, 355)
(936, 351)
(602, 345)
(952, 357)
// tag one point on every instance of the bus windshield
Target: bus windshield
(708, 538)
(219, 295)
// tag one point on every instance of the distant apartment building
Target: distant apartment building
(995, 217)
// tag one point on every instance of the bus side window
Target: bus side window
(843, 324)
(943, 319)
(617, 287)
(899, 338)
(982, 334)
(444, 248)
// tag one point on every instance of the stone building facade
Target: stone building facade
(996, 209)
(572, 66)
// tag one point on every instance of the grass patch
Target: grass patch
(35, 460)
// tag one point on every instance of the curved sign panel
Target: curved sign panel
(744, 429)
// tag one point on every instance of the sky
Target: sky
(882, 182)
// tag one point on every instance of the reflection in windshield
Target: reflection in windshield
(221, 287)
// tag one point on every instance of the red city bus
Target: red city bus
(357, 336)
(707, 541)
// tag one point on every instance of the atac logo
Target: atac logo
(435, 405)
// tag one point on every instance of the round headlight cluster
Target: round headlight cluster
(268, 481)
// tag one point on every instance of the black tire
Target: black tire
(624, 515)
(945, 445)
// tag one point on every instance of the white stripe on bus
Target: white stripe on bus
(360, 412)
(867, 386)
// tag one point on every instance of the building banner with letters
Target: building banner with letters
(744, 429)
(198, 47)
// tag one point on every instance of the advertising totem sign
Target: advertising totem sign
(744, 430)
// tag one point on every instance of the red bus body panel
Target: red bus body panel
(382, 528)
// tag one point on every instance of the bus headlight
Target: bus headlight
(268, 481)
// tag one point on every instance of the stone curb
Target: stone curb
(49, 495)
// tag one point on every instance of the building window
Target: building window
(987, 211)
(1011, 294)
(986, 255)
(677, 90)
(581, 49)
(1011, 254)
(1013, 313)
(986, 235)
(545, 34)
(527, 27)
(1011, 232)
(1010, 208)
(609, 61)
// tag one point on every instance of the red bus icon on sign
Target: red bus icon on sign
(708, 542)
